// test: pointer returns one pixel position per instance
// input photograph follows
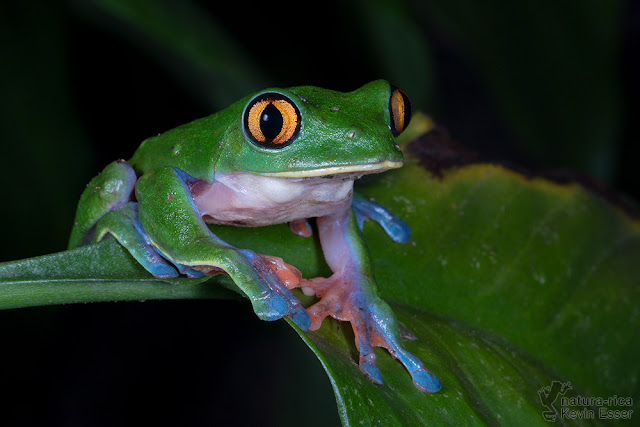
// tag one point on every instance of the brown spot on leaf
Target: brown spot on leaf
(437, 152)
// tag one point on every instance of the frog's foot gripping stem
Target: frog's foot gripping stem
(373, 322)
(288, 274)
(269, 294)
(124, 224)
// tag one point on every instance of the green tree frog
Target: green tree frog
(280, 155)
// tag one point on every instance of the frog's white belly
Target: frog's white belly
(253, 200)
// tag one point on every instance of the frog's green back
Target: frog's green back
(193, 147)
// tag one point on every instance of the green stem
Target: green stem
(100, 272)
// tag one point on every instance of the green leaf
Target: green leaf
(540, 279)
(486, 380)
(509, 283)
(552, 269)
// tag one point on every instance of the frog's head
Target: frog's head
(309, 132)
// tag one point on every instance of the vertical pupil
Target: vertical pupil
(271, 122)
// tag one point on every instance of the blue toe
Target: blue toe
(193, 274)
(272, 308)
(162, 270)
(426, 381)
(301, 319)
(399, 232)
(372, 372)
(277, 308)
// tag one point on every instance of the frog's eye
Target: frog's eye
(399, 110)
(272, 120)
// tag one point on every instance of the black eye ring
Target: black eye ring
(399, 110)
(272, 120)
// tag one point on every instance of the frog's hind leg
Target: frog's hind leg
(124, 225)
(351, 294)
(108, 191)
(384, 332)
(374, 325)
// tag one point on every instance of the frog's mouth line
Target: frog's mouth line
(334, 170)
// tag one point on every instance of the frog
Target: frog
(276, 156)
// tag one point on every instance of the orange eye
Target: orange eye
(272, 120)
(399, 110)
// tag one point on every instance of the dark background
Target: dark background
(539, 84)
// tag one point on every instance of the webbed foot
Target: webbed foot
(266, 281)
(373, 322)
(275, 299)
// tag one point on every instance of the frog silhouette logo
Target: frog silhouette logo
(548, 395)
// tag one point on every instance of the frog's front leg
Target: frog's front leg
(350, 294)
(365, 208)
(173, 225)
(124, 224)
